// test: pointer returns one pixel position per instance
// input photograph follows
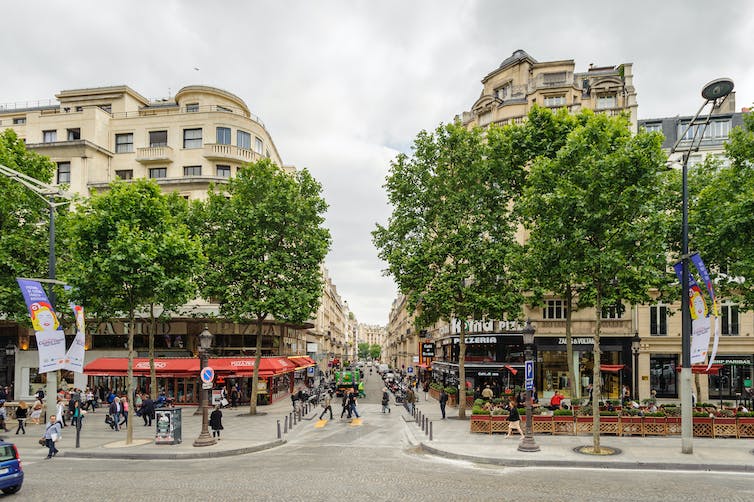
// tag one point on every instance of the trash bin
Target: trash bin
(168, 428)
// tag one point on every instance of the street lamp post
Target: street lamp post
(10, 355)
(205, 343)
(528, 444)
(635, 348)
(714, 92)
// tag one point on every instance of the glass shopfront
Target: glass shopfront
(663, 375)
(734, 377)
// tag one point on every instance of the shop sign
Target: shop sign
(488, 373)
(733, 361)
(428, 350)
(476, 339)
(480, 326)
(580, 340)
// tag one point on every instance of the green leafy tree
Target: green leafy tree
(127, 253)
(24, 224)
(265, 243)
(363, 350)
(450, 238)
(375, 351)
(601, 202)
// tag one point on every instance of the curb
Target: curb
(116, 455)
(588, 464)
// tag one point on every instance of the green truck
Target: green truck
(347, 379)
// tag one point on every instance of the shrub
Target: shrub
(562, 413)
(654, 414)
(478, 403)
(672, 411)
(522, 411)
(479, 411)
(745, 414)
(701, 414)
(726, 413)
(435, 385)
(451, 390)
(500, 411)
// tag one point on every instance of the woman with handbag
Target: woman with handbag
(52, 435)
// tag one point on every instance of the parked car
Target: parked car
(11, 472)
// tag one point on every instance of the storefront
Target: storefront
(734, 378)
(301, 375)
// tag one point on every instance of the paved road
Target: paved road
(372, 461)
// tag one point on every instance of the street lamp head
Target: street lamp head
(528, 333)
(205, 339)
(717, 89)
(10, 349)
(636, 343)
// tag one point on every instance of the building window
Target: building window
(504, 92)
(158, 172)
(613, 311)
(158, 138)
(662, 375)
(74, 134)
(658, 320)
(718, 129)
(192, 107)
(606, 101)
(125, 174)
(79, 108)
(192, 170)
(258, 145)
(107, 108)
(223, 171)
(729, 319)
(124, 143)
(243, 139)
(64, 172)
(554, 309)
(19, 120)
(554, 101)
(192, 138)
(656, 127)
(223, 135)
(49, 136)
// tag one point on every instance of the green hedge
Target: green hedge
(451, 390)
(562, 413)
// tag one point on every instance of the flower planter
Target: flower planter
(542, 424)
(481, 423)
(724, 427)
(562, 424)
(584, 425)
(499, 423)
(434, 393)
(745, 427)
(632, 426)
(452, 400)
(703, 427)
(674, 425)
(610, 425)
(655, 426)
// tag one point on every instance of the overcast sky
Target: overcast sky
(343, 86)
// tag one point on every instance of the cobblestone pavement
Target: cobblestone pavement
(374, 461)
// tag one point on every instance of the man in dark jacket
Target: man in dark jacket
(147, 410)
(443, 401)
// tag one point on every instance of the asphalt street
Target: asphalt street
(371, 461)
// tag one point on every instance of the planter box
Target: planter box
(584, 425)
(541, 424)
(655, 426)
(725, 427)
(434, 393)
(610, 425)
(674, 425)
(562, 424)
(703, 427)
(745, 427)
(499, 423)
(481, 423)
(632, 426)
(452, 400)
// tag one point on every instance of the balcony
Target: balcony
(154, 154)
(214, 151)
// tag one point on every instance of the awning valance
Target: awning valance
(611, 368)
(302, 361)
(166, 367)
(701, 369)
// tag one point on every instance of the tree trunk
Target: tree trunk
(572, 382)
(596, 374)
(257, 361)
(462, 371)
(130, 378)
(152, 371)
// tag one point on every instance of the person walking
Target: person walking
(443, 401)
(147, 410)
(346, 404)
(61, 412)
(124, 405)
(410, 399)
(90, 402)
(425, 388)
(234, 396)
(514, 419)
(115, 412)
(3, 416)
(216, 421)
(77, 416)
(21, 413)
(327, 405)
(385, 400)
(352, 404)
(51, 435)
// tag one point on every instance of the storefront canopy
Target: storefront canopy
(189, 366)
(611, 368)
(702, 369)
(302, 361)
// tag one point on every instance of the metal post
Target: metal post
(285, 426)
(279, 434)
(430, 431)
(204, 439)
(686, 420)
(78, 430)
(527, 444)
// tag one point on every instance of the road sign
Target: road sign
(410, 369)
(310, 370)
(207, 385)
(207, 374)
(529, 375)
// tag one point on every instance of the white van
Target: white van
(382, 368)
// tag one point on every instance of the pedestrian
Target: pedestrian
(61, 412)
(346, 405)
(385, 400)
(327, 405)
(352, 404)
(71, 407)
(21, 413)
(3, 416)
(425, 388)
(77, 417)
(234, 396)
(51, 435)
(216, 421)
(115, 412)
(410, 398)
(147, 410)
(443, 401)
(514, 419)
(90, 402)
(124, 406)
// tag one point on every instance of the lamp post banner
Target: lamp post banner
(50, 339)
(699, 264)
(74, 358)
(701, 324)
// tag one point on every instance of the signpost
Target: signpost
(208, 376)
(529, 375)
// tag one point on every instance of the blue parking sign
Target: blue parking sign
(529, 375)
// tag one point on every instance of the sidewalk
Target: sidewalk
(452, 439)
(242, 434)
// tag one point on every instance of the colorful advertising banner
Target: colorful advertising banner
(700, 322)
(74, 358)
(50, 339)
(696, 259)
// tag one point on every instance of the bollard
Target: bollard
(295, 416)
(430, 431)
(285, 427)
(426, 427)
(290, 420)
(279, 434)
(78, 430)
(422, 424)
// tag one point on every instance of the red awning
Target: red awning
(611, 368)
(302, 361)
(511, 369)
(118, 366)
(701, 369)
(244, 366)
